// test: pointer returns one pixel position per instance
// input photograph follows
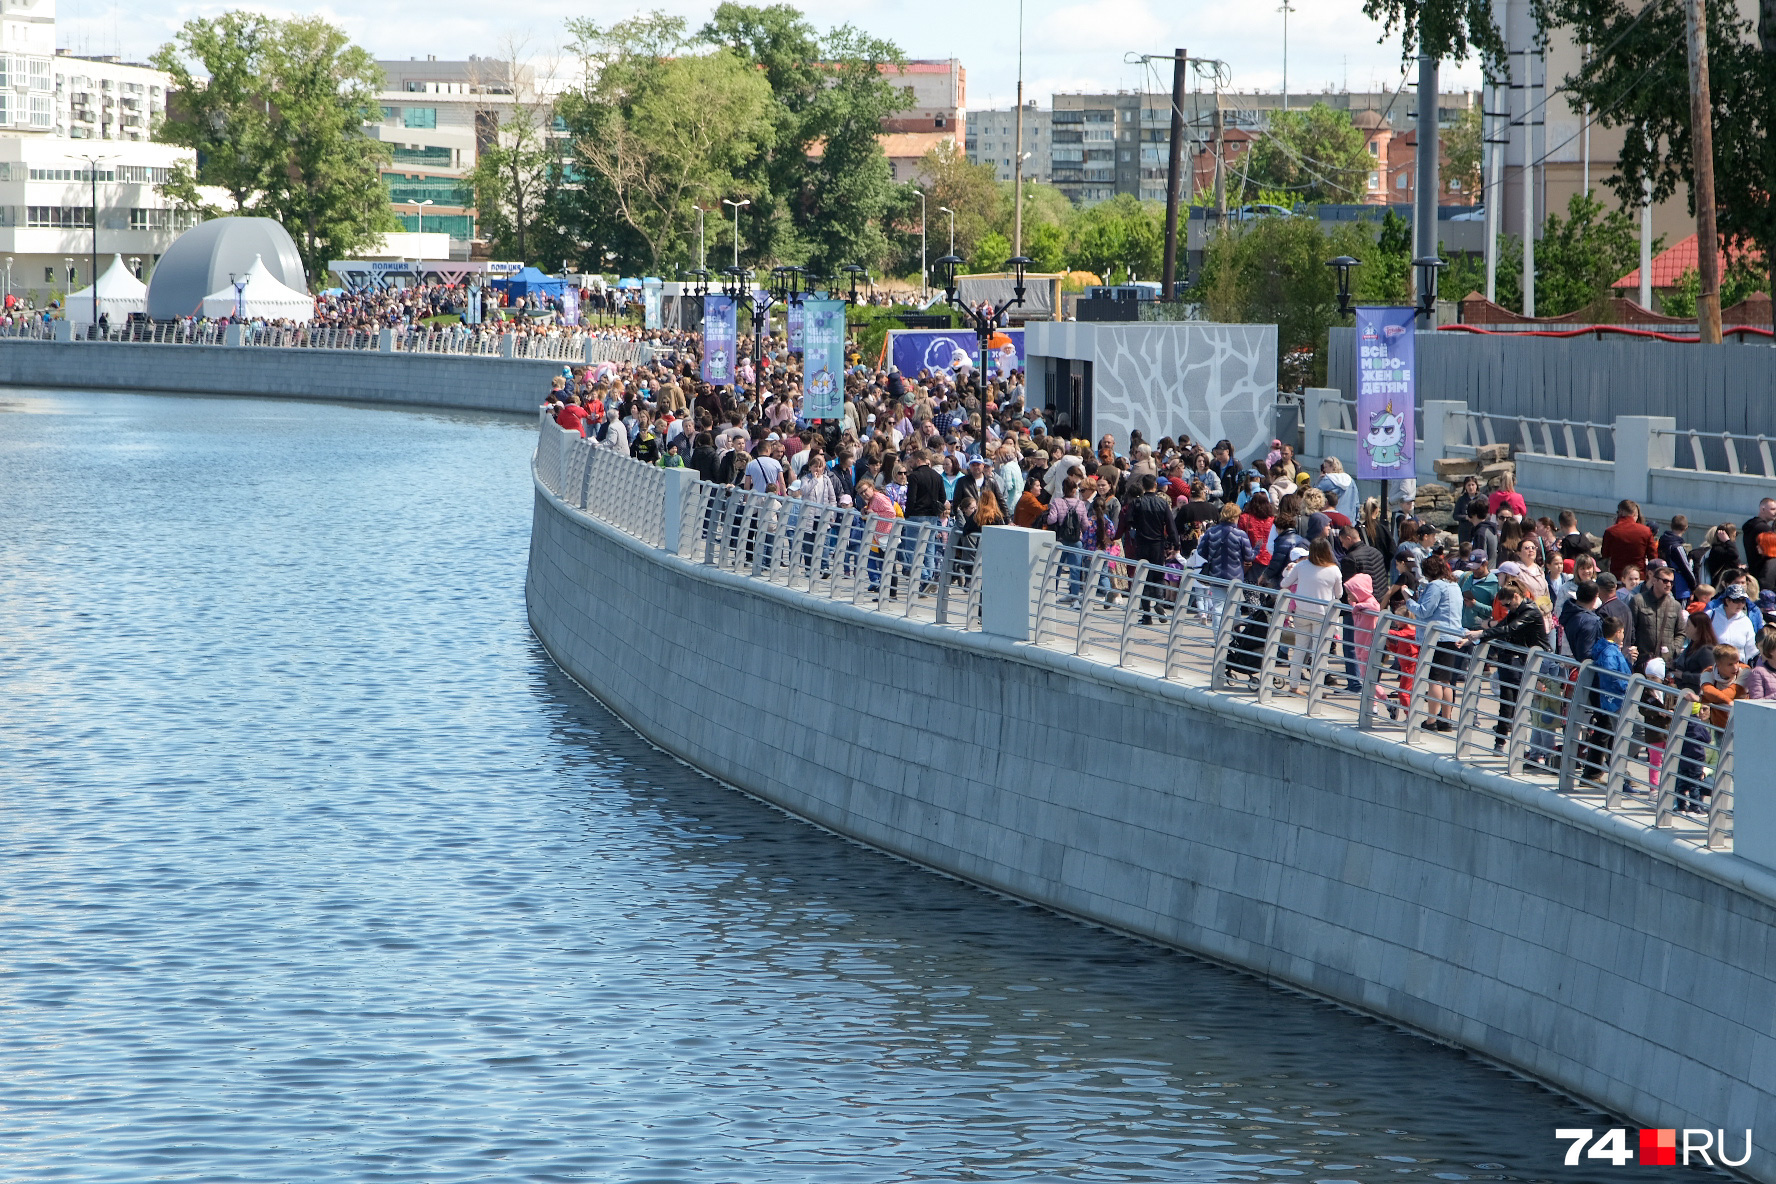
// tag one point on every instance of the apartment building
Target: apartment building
(437, 118)
(57, 110)
(992, 139)
(936, 113)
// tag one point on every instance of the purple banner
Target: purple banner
(570, 306)
(718, 340)
(1385, 394)
(914, 350)
(796, 319)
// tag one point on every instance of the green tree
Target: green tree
(1316, 155)
(1046, 246)
(1461, 144)
(1273, 271)
(663, 130)
(990, 253)
(1577, 260)
(981, 204)
(1448, 30)
(1638, 81)
(1742, 277)
(1386, 274)
(217, 71)
(283, 131)
(517, 171)
(1119, 238)
(821, 188)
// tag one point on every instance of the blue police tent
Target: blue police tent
(526, 280)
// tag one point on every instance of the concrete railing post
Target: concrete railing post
(1009, 557)
(1315, 401)
(589, 351)
(62, 330)
(679, 484)
(1754, 797)
(234, 334)
(385, 342)
(1445, 420)
(1643, 443)
(508, 345)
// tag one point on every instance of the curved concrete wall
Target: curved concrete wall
(1606, 959)
(354, 376)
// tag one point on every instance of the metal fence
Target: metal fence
(1621, 743)
(1723, 452)
(557, 345)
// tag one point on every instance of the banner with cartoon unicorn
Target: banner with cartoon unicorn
(1385, 395)
(823, 359)
(719, 340)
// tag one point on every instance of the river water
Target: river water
(312, 866)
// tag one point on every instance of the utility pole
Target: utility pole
(1286, 9)
(1017, 155)
(1174, 177)
(1220, 165)
(1708, 309)
(1494, 191)
(1427, 245)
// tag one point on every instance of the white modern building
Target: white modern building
(64, 119)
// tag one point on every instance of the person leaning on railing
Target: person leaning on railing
(1521, 629)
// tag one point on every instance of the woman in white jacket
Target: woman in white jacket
(1313, 575)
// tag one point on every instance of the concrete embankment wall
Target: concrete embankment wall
(359, 376)
(1597, 955)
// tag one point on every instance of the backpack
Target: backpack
(1069, 529)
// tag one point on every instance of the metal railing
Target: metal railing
(1722, 452)
(1568, 438)
(573, 346)
(1621, 743)
(915, 570)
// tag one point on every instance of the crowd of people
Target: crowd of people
(942, 447)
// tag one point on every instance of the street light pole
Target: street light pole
(1017, 156)
(924, 268)
(419, 211)
(92, 172)
(952, 214)
(745, 201)
(702, 258)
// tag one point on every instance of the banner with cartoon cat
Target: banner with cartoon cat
(823, 359)
(719, 340)
(1385, 395)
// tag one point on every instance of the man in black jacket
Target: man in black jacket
(1150, 528)
(1359, 556)
(1522, 629)
(924, 506)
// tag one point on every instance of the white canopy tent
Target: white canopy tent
(264, 296)
(120, 293)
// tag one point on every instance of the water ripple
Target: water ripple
(313, 867)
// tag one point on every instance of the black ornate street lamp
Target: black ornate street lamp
(1342, 265)
(1427, 269)
(983, 322)
(854, 271)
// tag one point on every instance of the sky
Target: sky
(1069, 45)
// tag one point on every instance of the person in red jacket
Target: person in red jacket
(1630, 542)
(572, 416)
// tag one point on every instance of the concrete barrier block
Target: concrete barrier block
(385, 341)
(1643, 443)
(1009, 557)
(679, 483)
(1754, 792)
(61, 330)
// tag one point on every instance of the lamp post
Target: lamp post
(136, 266)
(745, 201)
(983, 322)
(952, 214)
(92, 172)
(924, 268)
(1342, 266)
(9, 275)
(1427, 269)
(419, 212)
(702, 258)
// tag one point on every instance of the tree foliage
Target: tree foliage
(1315, 155)
(518, 172)
(1638, 81)
(662, 130)
(1448, 30)
(981, 203)
(1462, 145)
(276, 110)
(1119, 239)
(821, 187)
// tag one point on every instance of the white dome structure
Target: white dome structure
(206, 258)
